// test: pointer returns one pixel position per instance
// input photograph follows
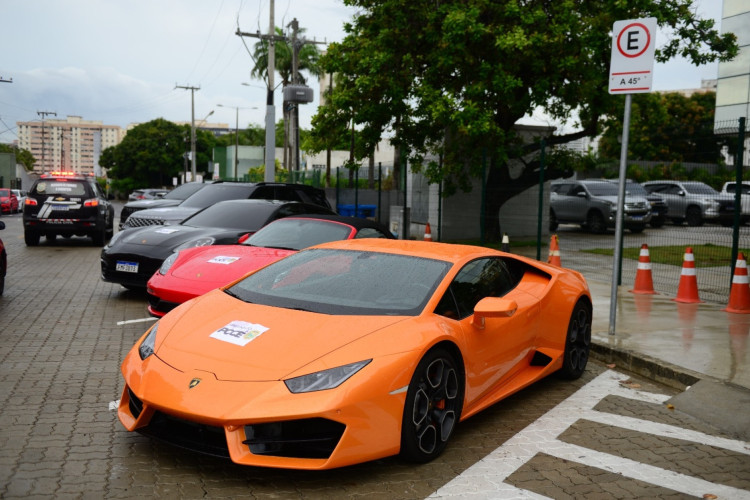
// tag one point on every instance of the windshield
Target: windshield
(602, 189)
(62, 187)
(345, 282)
(232, 215)
(215, 193)
(296, 234)
(184, 191)
(700, 188)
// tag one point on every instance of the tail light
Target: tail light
(91, 203)
(30, 201)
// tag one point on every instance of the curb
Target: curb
(645, 366)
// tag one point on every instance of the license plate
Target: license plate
(60, 208)
(637, 217)
(126, 267)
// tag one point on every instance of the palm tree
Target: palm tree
(307, 60)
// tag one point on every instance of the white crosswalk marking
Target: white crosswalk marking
(485, 479)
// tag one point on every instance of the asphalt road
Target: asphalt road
(64, 332)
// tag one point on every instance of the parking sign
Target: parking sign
(632, 63)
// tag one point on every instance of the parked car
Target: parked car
(195, 271)
(730, 188)
(21, 196)
(3, 261)
(659, 207)
(220, 191)
(67, 204)
(693, 202)
(8, 201)
(133, 256)
(171, 199)
(352, 351)
(147, 194)
(593, 205)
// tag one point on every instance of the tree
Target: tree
(666, 127)
(253, 135)
(307, 60)
(23, 156)
(455, 83)
(152, 153)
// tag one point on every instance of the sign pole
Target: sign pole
(630, 72)
(620, 209)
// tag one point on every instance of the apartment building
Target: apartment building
(72, 144)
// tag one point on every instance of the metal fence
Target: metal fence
(715, 243)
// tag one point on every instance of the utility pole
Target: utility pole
(44, 114)
(192, 128)
(271, 38)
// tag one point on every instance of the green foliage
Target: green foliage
(308, 59)
(666, 127)
(152, 153)
(23, 156)
(253, 135)
(456, 82)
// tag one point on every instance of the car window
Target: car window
(672, 189)
(298, 233)
(184, 191)
(215, 193)
(489, 277)
(603, 189)
(700, 188)
(576, 190)
(60, 187)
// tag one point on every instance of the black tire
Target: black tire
(553, 224)
(595, 222)
(433, 406)
(694, 217)
(577, 341)
(31, 238)
(3, 270)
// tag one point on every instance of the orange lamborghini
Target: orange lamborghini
(352, 351)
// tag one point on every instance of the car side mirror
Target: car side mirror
(243, 238)
(581, 194)
(681, 193)
(493, 307)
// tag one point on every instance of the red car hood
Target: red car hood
(208, 336)
(214, 266)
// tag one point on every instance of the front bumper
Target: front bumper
(262, 423)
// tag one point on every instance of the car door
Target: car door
(496, 351)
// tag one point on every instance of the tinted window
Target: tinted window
(481, 278)
(345, 282)
(241, 216)
(370, 232)
(60, 187)
(297, 234)
(184, 191)
(602, 189)
(700, 189)
(215, 193)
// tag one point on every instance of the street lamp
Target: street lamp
(236, 134)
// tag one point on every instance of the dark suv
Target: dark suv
(171, 199)
(67, 204)
(221, 191)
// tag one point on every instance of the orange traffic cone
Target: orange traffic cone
(427, 233)
(554, 252)
(687, 290)
(739, 295)
(644, 283)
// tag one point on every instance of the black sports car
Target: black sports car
(132, 256)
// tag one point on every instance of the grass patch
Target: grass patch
(705, 255)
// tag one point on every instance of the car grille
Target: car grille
(143, 222)
(202, 438)
(127, 212)
(306, 438)
(159, 305)
(637, 206)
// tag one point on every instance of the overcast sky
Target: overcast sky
(119, 62)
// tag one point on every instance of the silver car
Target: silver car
(693, 202)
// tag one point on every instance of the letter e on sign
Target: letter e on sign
(632, 64)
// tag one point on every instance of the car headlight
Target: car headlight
(146, 348)
(200, 242)
(326, 379)
(168, 263)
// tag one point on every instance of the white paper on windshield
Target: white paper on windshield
(239, 332)
(223, 259)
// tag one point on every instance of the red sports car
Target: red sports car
(195, 271)
(8, 201)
